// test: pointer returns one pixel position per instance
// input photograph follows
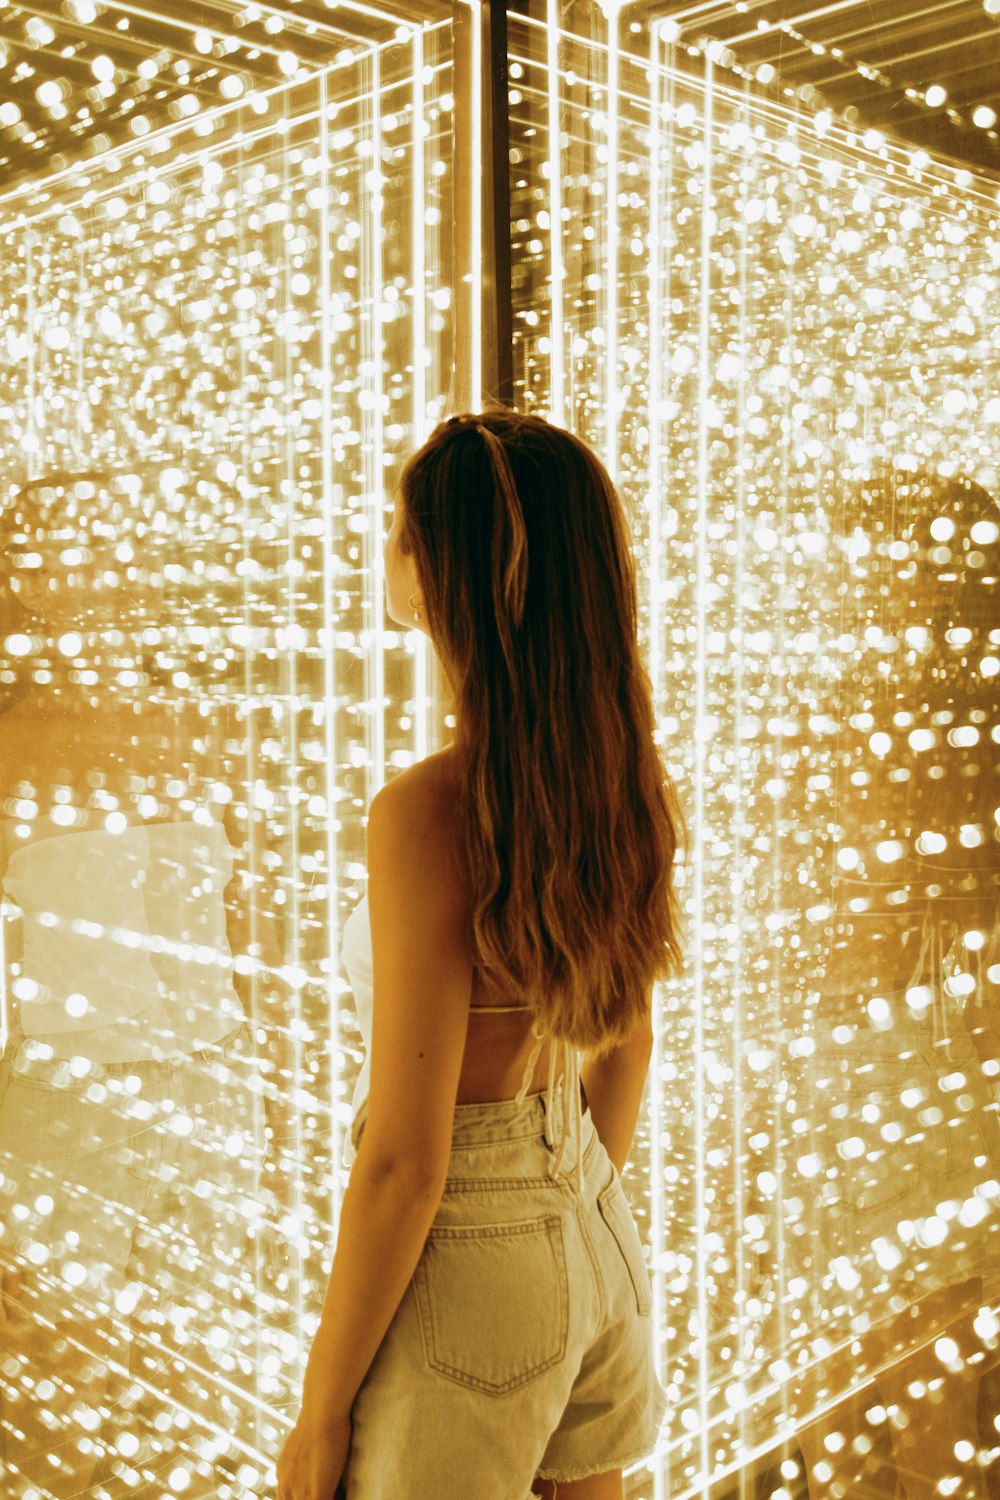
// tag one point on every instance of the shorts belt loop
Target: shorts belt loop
(550, 1105)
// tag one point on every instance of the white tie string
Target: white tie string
(569, 1098)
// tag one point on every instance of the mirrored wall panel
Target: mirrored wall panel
(228, 315)
(783, 338)
(240, 280)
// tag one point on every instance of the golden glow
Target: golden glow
(217, 343)
(798, 377)
(242, 316)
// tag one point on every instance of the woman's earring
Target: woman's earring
(415, 608)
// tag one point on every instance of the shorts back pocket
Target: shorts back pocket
(494, 1302)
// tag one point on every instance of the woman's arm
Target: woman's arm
(422, 970)
(614, 1086)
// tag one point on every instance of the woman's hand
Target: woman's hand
(312, 1462)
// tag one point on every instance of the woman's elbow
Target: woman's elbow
(411, 1171)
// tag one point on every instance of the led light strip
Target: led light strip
(329, 675)
(77, 176)
(656, 675)
(291, 709)
(375, 476)
(739, 977)
(611, 212)
(418, 417)
(950, 172)
(477, 205)
(698, 873)
(557, 398)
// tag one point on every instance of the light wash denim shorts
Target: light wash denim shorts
(523, 1343)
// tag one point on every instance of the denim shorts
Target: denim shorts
(523, 1343)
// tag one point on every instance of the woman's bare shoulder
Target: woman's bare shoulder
(431, 785)
(436, 778)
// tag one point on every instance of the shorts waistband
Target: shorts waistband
(476, 1123)
(501, 1121)
(559, 1110)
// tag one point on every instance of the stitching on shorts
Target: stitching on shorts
(614, 1194)
(515, 1383)
(501, 1140)
(594, 1261)
(551, 1227)
(503, 1184)
(589, 1150)
(512, 1184)
(492, 1231)
(562, 1477)
(515, 1184)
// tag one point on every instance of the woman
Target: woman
(123, 1080)
(486, 1329)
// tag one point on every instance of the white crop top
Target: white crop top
(356, 953)
(125, 953)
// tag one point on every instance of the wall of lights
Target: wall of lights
(780, 336)
(219, 343)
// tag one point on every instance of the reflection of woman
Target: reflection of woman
(904, 1092)
(117, 1083)
(487, 1323)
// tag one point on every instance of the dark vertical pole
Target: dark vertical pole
(461, 396)
(498, 356)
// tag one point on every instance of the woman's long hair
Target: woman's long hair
(568, 823)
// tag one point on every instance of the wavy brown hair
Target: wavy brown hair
(568, 822)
